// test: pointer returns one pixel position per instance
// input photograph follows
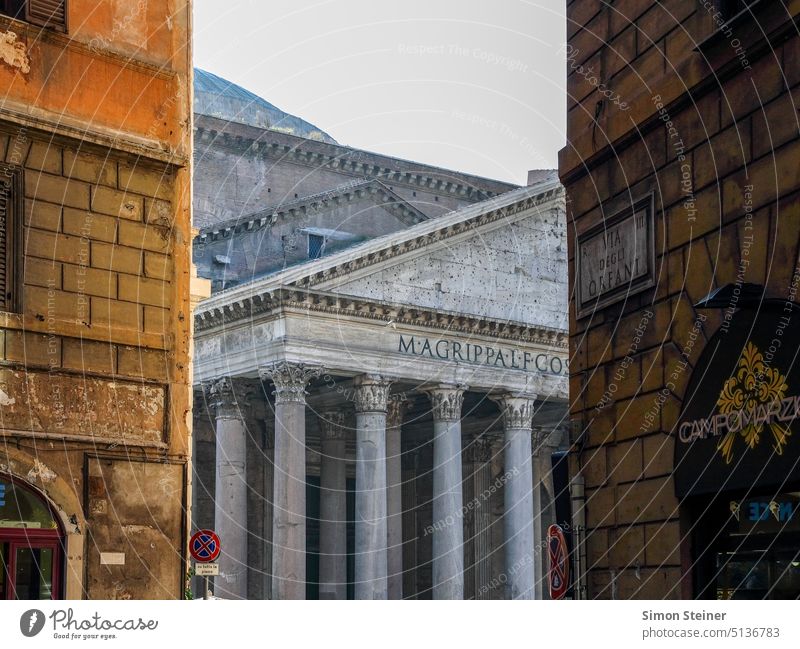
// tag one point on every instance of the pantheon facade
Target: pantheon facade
(378, 419)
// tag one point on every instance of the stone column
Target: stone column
(448, 530)
(518, 522)
(230, 400)
(269, 499)
(478, 455)
(289, 489)
(332, 508)
(371, 395)
(543, 441)
(255, 460)
(409, 527)
(468, 465)
(394, 499)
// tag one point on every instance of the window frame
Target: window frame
(11, 182)
(322, 241)
(34, 538)
(25, 14)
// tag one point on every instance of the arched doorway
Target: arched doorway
(31, 544)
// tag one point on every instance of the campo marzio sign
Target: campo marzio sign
(481, 354)
(740, 424)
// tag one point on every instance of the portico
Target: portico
(401, 408)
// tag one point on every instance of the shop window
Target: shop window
(10, 236)
(45, 13)
(31, 545)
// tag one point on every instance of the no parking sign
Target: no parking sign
(204, 546)
(558, 575)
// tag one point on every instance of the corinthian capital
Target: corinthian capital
(229, 397)
(517, 410)
(542, 439)
(290, 380)
(446, 401)
(395, 411)
(371, 393)
(479, 449)
(331, 425)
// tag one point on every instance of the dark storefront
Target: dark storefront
(737, 458)
(31, 544)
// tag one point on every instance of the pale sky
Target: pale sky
(471, 85)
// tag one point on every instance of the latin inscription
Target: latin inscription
(616, 261)
(501, 357)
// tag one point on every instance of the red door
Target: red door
(31, 544)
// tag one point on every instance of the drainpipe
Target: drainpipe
(578, 497)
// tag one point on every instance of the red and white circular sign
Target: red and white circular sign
(558, 574)
(204, 546)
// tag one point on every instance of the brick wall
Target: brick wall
(721, 160)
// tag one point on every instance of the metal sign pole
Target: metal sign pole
(205, 591)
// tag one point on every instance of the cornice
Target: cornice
(334, 197)
(275, 300)
(98, 47)
(344, 161)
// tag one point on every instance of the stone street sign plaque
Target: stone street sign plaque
(616, 259)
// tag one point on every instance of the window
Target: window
(10, 236)
(316, 246)
(31, 544)
(45, 13)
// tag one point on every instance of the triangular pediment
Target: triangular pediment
(502, 259)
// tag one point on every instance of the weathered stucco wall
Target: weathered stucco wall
(95, 359)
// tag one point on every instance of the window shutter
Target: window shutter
(47, 13)
(10, 237)
(5, 209)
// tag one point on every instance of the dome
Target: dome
(217, 97)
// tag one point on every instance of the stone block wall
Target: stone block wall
(708, 125)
